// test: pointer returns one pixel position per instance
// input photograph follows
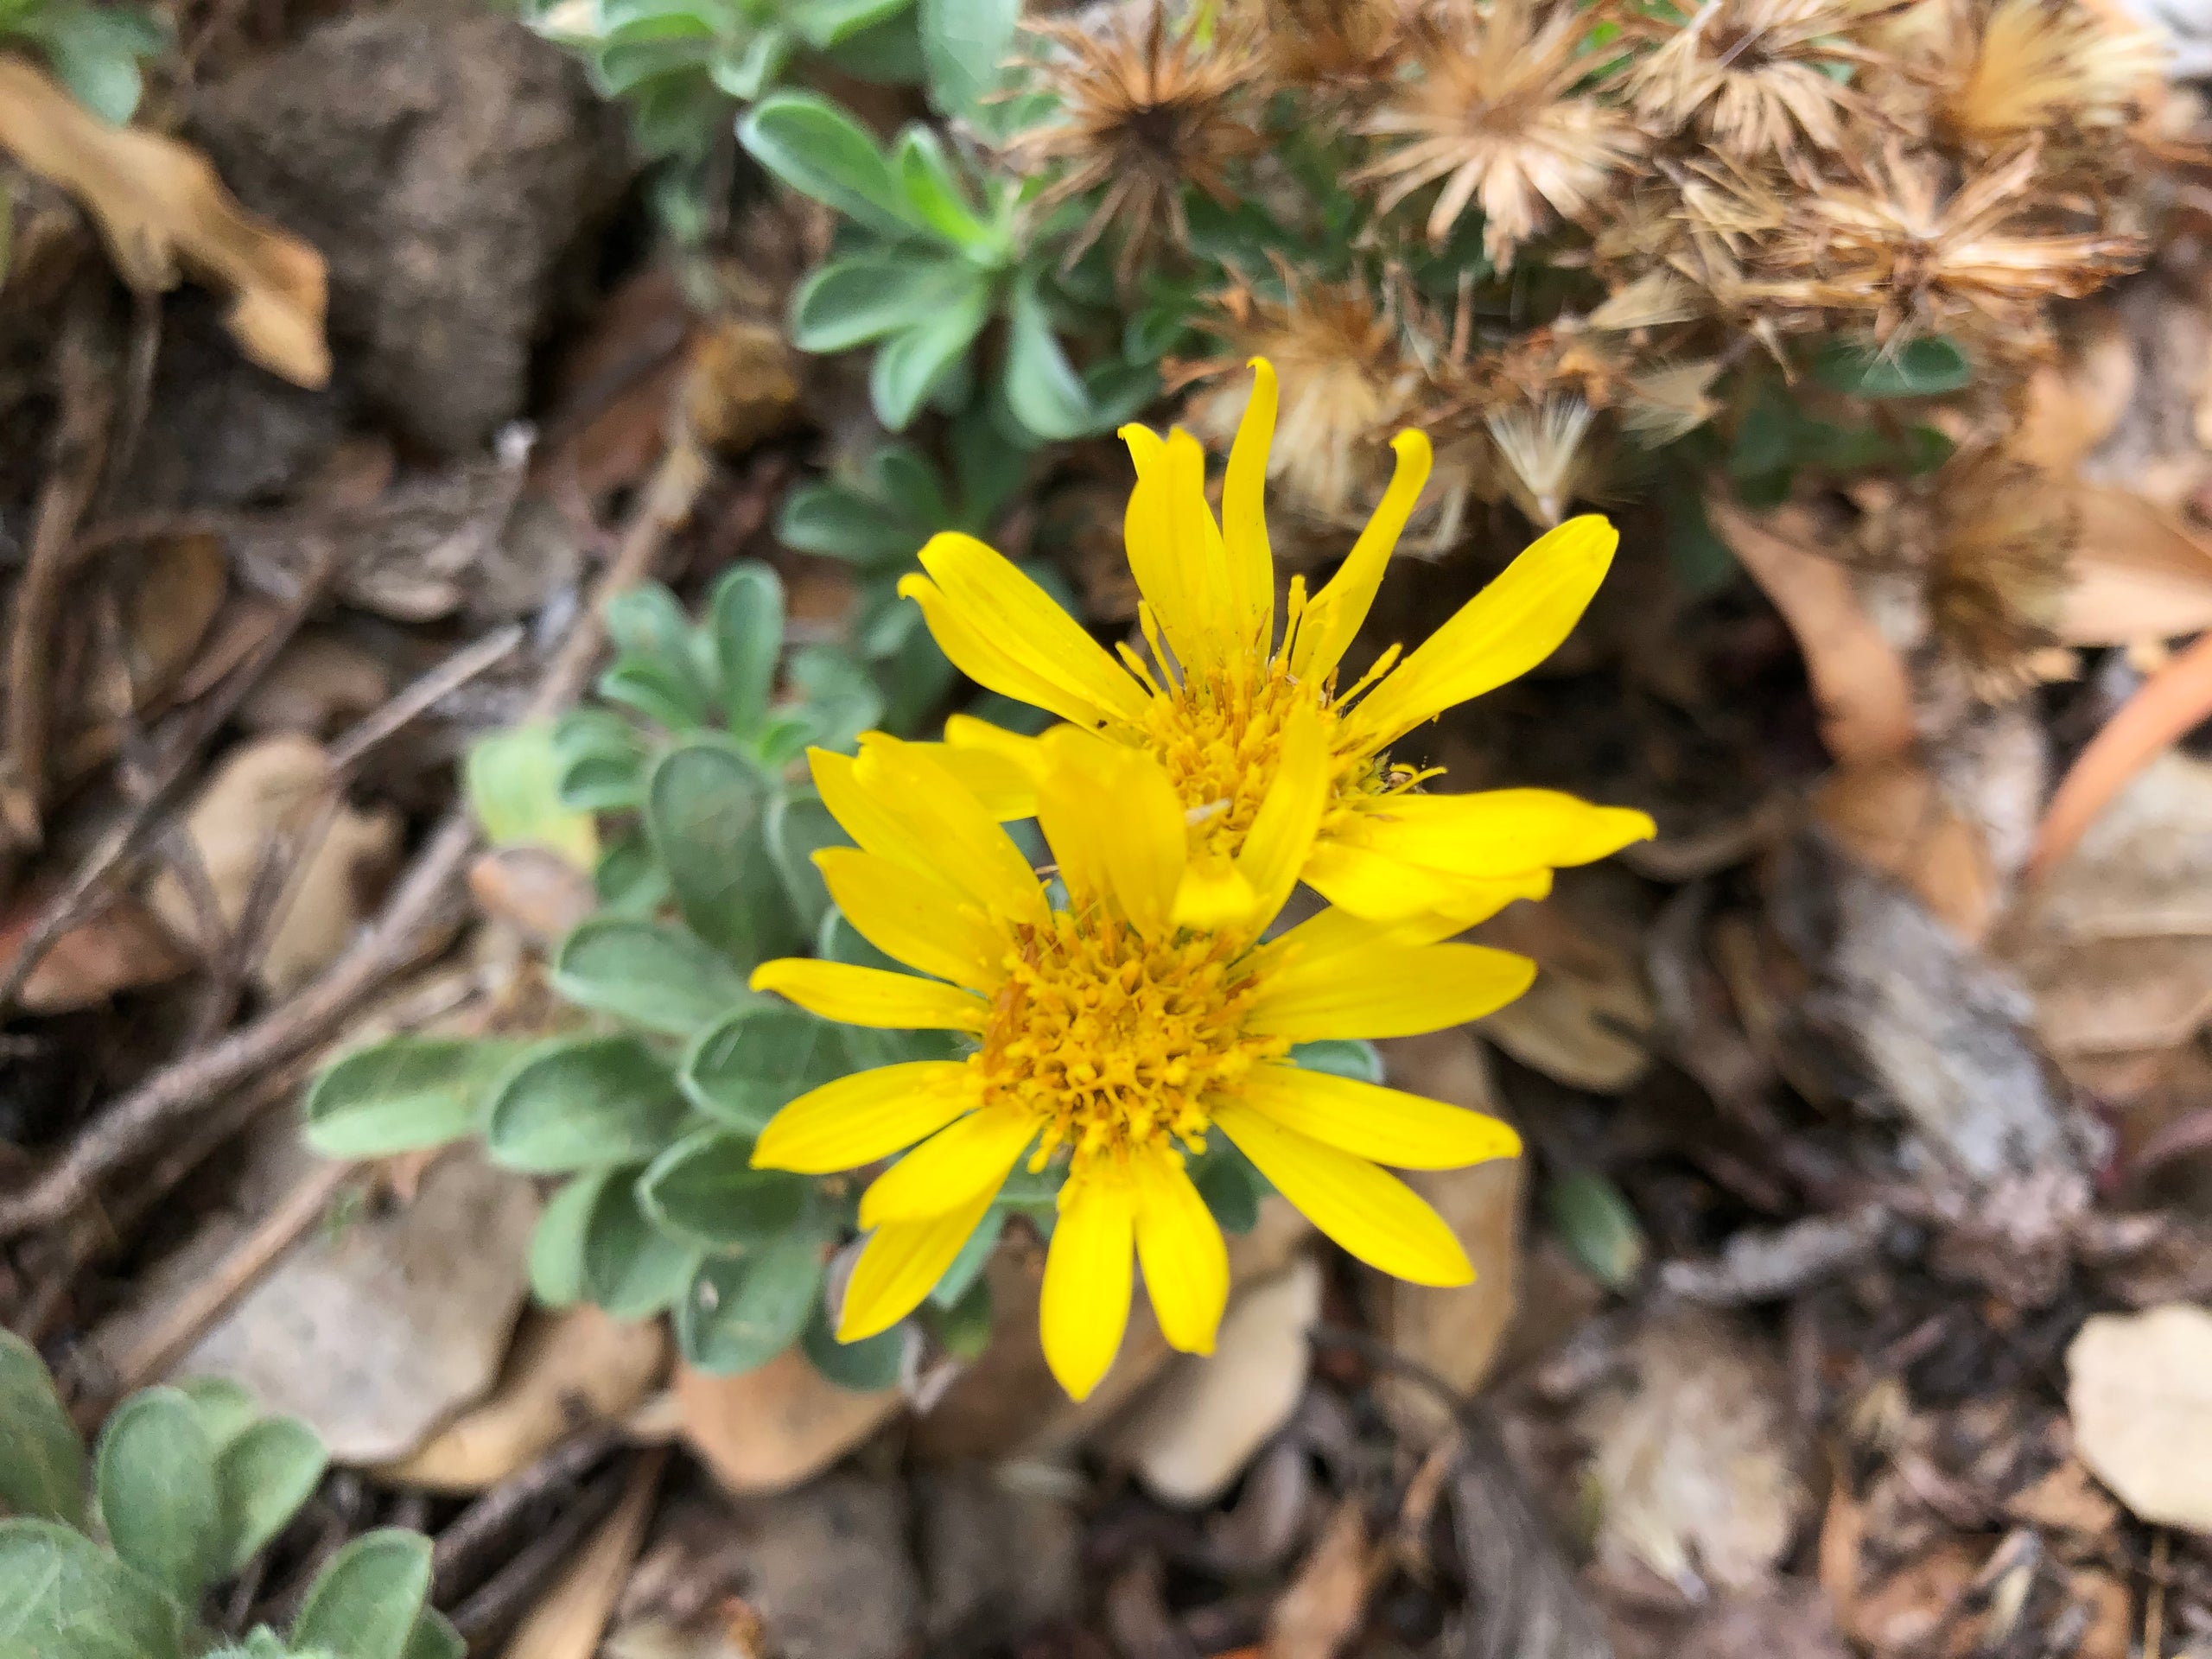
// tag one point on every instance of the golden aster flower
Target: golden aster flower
(1142, 116)
(1494, 114)
(1217, 710)
(1757, 78)
(1922, 258)
(1113, 1037)
(2004, 73)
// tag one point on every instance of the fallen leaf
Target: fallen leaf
(2139, 1391)
(2067, 1500)
(567, 1623)
(1891, 813)
(1324, 1607)
(1692, 1456)
(2111, 1631)
(741, 385)
(769, 1429)
(1913, 1603)
(1457, 1330)
(119, 948)
(2138, 572)
(1583, 1023)
(269, 786)
(320, 682)
(176, 587)
(162, 211)
(565, 1370)
(377, 1330)
(533, 889)
(2072, 406)
(1857, 678)
(1190, 1437)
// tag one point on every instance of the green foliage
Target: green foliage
(189, 1485)
(93, 50)
(1593, 1220)
(688, 773)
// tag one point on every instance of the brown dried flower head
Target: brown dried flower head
(1334, 46)
(1495, 114)
(1347, 387)
(1758, 78)
(1913, 257)
(2000, 73)
(1147, 109)
(1991, 538)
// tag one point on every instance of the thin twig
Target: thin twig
(501, 1597)
(416, 907)
(79, 447)
(487, 1522)
(415, 699)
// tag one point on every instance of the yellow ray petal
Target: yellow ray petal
(1184, 1258)
(1362, 880)
(1019, 755)
(942, 822)
(1387, 1126)
(1325, 632)
(914, 917)
(1114, 826)
(1499, 634)
(1002, 788)
(1281, 836)
(1199, 551)
(870, 996)
(1334, 930)
(1386, 989)
(985, 659)
(858, 1119)
(1372, 1214)
(1085, 1303)
(949, 1167)
(1500, 832)
(1026, 625)
(1148, 540)
(1213, 894)
(901, 1264)
(1251, 564)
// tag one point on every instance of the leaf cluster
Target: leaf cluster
(95, 51)
(111, 1555)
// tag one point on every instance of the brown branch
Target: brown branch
(411, 917)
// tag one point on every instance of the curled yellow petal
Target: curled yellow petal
(1114, 825)
(1251, 565)
(1373, 1214)
(1331, 620)
(1281, 836)
(858, 1119)
(1500, 832)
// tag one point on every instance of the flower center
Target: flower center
(1113, 1041)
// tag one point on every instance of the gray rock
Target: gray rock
(448, 164)
(826, 1568)
(996, 1562)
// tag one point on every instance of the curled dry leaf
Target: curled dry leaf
(1857, 678)
(2140, 1389)
(162, 211)
(119, 948)
(580, 1364)
(568, 1621)
(2138, 572)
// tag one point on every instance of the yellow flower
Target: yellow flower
(1216, 714)
(1111, 1035)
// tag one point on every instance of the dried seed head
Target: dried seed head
(1495, 114)
(2000, 73)
(1337, 47)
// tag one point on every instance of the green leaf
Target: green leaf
(963, 1325)
(1922, 368)
(799, 826)
(63, 1596)
(838, 522)
(964, 44)
(41, 1459)
(746, 612)
(863, 1367)
(910, 366)
(226, 1408)
(557, 1245)
(841, 700)
(434, 1638)
(827, 22)
(95, 53)
(629, 880)
(403, 1094)
(821, 151)
(1231, 1187)
(655, 694)
(890, 53)
(262, 1478)
(871, 296)
(704, 810)
(742, 1072)
(365, 1603)
(513, 779)
(1596, 1224)
(740, 1312)
(1042, 388)
(154, 1473)
(704, 1189)
(939, 200)
(1342, 1056)
(755, 67)
(579, 1103)
(647, 623)
(659, 977)
(631, 1269)
(602, 761)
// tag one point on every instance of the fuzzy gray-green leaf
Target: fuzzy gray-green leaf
(579, 1103)
(262, 1479)
(41, 1459)
(63, 1596)
(661, 978)
(155, 1474)
(364, 1605)
(404, 1094)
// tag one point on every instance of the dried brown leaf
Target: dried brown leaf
(2137, 573)
(1325, 1603)
(2139, 1391)
(162, 211)
(769, 1429)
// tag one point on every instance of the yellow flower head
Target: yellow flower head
(1113, 1033)
(1216, 710)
